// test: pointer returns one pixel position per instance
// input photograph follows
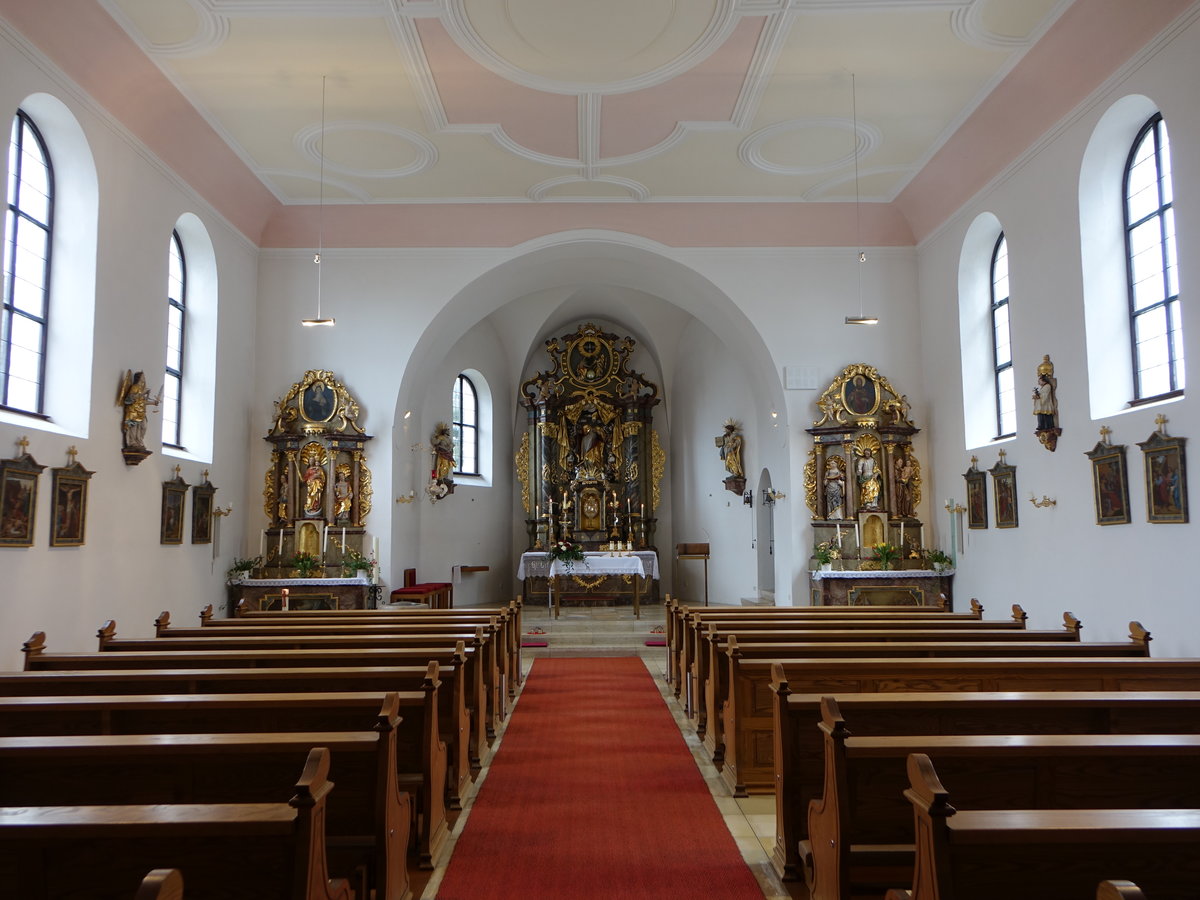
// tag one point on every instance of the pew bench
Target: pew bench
(799, 764)
(860, 828)
(368, 820)
(161, 884)
(974, 854)
(238, 851)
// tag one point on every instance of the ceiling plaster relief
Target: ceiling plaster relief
(626, 189)
(751, 150)
(209, 29)
(367, 138)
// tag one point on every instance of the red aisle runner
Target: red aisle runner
(594, 794)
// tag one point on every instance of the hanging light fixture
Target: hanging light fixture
(312, 323)
(860, 319)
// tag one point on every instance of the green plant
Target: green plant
(825, 552)
(567, 552)
(305, 564)
(886, 554)
(241, 568)
(937, 559)
(356, 562)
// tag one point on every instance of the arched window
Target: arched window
(465, 426)
(1006, 397)
(172, 403)
(28, 239)
(1156, 332)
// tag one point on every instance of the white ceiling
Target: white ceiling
(614, 100)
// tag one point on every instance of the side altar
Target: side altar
(904, 587)
(590, 462)
(301, 593)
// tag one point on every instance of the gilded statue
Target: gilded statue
(443, 453)
(134, 397)
(1045, 405)
(866, 471)
(730, 444)
(905, 475)
(835, 489)
(314, 487)
(343, 495)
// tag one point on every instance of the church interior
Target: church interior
(779, 303)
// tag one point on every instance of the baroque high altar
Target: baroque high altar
(862, 480)
(590, 462)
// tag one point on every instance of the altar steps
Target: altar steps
(591, 631)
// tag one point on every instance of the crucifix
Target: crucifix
(23, 443)
(71, 454)
(1161, 421)
(1105, 432)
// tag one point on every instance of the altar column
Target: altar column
(819, 457)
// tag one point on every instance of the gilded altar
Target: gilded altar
(590, 462)
(317, 491)
(862, 480)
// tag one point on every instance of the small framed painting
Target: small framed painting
(977, 516)
(68, 508)
(1110, 483)
(174, 499)
(18, 500)
(202, 513)
(1166, 478)
(1004, 484)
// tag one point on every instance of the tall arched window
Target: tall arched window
(28, 232)
(1156, 331)
(1006, 397)
(172, 403)
(465, 426)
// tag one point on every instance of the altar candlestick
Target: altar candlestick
(262, 544)
(280, 545)
(922, 535)
(839, 534)
(857, 540)
(343, 538)
(902, 536)
(324, 541)
(642, 510)
(628, 506)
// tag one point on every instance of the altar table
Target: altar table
(303, 593)
(637, 563)
(901, 587)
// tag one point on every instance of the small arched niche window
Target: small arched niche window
(1155, 326)
(172, 402)
(28, 241)
(465, 426)
(1006, 395)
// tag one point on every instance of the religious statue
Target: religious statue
(591, 444)
(443, 453)
(134, 398)
(285, 486)
(342, 493)
(314, 488)
(1045, 405)
(905, 474)
(835, 489)
(730, 444)
(869, 480)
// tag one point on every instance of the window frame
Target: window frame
(998, 368)
(460, 429)
(24, 125)
(1154, 128)
(180, 303)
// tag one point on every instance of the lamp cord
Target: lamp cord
(321, 201)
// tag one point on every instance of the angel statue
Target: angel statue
(134, 397)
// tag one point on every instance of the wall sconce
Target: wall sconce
(748, 499)
(1044, 502)
(222, 512)
(770, 495)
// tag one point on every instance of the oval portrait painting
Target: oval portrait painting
(859, 395)
(318, 402)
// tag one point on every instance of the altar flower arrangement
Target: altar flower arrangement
(305, 564)
(568, 552)
(938, 561)
(355, 562)
(886, 555)
(825, 552)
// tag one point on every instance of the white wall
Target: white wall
(1058, 558)
(123, 572)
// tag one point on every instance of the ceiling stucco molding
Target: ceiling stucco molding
(212, 29)
(349, 187)
(457, 22)
(308, 142)
(330, 8)
(968, 26)
(865, 140)
(540, 192)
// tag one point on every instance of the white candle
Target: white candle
(642, 510)
(324, 539)
(281, 543)
(857, 539)
(922, 535)
(262, 543)
(628, 507)
(901, 535)
(839, 534)
(343, 539)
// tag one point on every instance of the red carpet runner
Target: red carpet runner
(594, 794)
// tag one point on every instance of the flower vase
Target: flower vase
(827, 567)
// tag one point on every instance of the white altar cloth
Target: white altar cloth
(818, 575)
(295, 582)
(535, 564)
(600, 565)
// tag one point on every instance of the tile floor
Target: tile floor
(613, 631)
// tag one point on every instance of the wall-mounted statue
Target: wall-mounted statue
(1045, 405)
(441, 477)
(730, 444)
(134, 398)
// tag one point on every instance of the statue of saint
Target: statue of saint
(869, 480)
(905, 473)
(730, 443)
(591, 444)
(835, 489)
(314, 488)
(443, 453)
(342, 494)
(134, 397)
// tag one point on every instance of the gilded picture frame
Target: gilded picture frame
(174, 503)
(1110, 484)
(860, 395)
(202, 513)
(977, 510)
(1166, 479)
(68, 506)
(18, 504)
(1004, 491)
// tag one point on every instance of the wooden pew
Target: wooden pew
(860, 828)
(748, 715)
(799, 747)
(456, 663)
(976, 854)
(1119, 890)
(682, 620)
(718, 688)
(367, 824)
(713, 641)
(452, 714)
(161, 884)
(420, 755)
(483, 641)
(237, 851)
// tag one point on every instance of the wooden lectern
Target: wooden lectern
(695, 551)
